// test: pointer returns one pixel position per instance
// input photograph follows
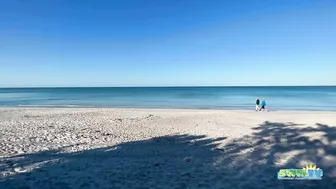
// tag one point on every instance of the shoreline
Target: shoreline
(156, 108)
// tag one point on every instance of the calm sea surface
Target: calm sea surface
(277, 98)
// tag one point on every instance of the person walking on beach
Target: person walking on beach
(263, 105)
(257, 104)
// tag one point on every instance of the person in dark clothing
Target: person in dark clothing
(257, 104)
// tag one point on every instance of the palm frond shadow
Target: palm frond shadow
(185, 161)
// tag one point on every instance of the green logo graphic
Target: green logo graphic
(309, 172)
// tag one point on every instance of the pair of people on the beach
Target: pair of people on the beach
(263, 105)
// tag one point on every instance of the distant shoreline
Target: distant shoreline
(160, 109)
(201, 86)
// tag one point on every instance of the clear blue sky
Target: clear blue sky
(167, 42)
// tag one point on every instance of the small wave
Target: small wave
(66, 105)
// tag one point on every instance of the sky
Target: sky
(167, 43)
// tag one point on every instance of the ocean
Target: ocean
(277, 98)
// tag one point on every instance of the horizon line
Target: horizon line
(163, 86)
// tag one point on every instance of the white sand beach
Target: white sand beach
(152, 148)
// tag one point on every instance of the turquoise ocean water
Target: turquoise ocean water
(277, 98)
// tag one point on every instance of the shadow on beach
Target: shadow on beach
(185, 161)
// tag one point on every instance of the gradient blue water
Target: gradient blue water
(278, 98)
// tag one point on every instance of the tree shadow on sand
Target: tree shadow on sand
(185, 161)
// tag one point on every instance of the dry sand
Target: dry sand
(139, 148)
